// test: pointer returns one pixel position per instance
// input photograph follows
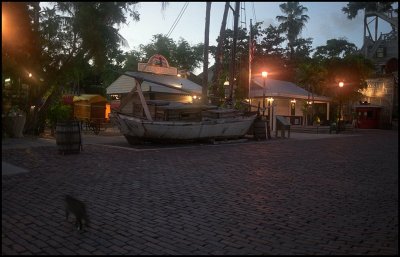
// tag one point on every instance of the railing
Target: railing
(293, 120)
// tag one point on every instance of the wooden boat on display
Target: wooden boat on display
(176, 114)
(204, 123)
(162, 120)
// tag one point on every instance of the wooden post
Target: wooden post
(143, 101)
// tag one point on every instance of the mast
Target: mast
(251, 54)
(233, 57)
(206, 43)
(219, 56)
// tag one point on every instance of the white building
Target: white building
(289, 100)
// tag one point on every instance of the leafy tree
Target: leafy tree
(20, 50)
(188, 57)
(293, 23)
(181, 55)
(73, 35)
(302, 49)
(160, 44)
(311, 75)
(335, 48)
(353, 70)
(352, 8)
(271, 43)
(132, 59)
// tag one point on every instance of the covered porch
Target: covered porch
(299, 106)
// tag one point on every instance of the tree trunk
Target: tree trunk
(39, 115)
(206, 43)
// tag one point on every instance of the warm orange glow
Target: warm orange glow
(108, 110)
(4, 24)
(264, 74)
(341, 84)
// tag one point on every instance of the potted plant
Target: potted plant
(14, 121)
(58, 112)
(317, 120)
(68, 134)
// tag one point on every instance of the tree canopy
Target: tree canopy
(293, 23)
(352, 8)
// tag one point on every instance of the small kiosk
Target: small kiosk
(368, 116)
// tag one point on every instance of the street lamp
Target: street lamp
(264, 75)
(226, 88)
(341, 84)
(270, 114)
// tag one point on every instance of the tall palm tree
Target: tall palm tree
(293, 23)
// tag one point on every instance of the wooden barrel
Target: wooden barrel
(68, 137)
(259, 129)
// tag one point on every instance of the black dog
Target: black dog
(77, 208)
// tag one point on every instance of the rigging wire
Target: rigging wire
(243, 15)
(254, 13)
(177, 19)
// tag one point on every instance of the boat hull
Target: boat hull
(135, 128)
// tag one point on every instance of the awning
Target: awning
(280, 88)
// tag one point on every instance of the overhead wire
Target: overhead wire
(177, 19)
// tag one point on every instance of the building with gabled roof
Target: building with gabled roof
(285, 98)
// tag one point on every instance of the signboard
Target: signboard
(157, 64)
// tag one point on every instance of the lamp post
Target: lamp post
(341, 84)
(270, 100)
(226, 88)
(264, 75)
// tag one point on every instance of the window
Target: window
(292, 109)
(380, 52)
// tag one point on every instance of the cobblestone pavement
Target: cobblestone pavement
(284, 196)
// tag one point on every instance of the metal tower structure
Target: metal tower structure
(382, 49)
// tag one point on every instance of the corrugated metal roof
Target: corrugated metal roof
(124, 84)
(276, 88)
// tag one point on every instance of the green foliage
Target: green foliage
(180, 55)
(352, 8)
(272, 40)
(293, 23)
(335, 48)
(59, 112)
(311, 75)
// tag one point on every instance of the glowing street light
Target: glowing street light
(341, 84)
(264, 75)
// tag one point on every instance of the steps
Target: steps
(310, 129)
(320, 129)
